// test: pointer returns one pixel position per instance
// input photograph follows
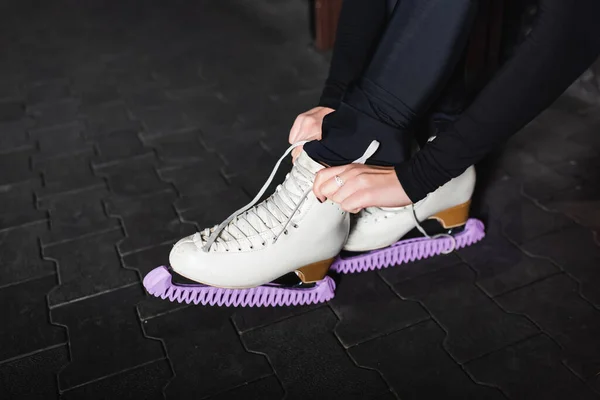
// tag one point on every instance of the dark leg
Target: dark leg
(359, 29)
(418, 51)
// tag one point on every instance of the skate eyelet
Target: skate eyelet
(285, 232)
(295, 226)
(264, 243)
(240, 249)
(251, 247)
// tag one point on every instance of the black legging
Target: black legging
(399, 84)
(415, 56)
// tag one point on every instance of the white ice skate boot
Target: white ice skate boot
(289, 232)
(437, 224)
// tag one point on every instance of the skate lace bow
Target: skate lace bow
(255, 219)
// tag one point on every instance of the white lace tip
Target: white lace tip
(368, 153)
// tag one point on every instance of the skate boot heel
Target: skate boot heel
(453, 217)
(314, 272)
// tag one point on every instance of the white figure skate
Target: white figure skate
(276, 252)
(438, 224)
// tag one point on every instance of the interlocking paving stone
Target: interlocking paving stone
(199, 184)
(55, 113)
(162, 121)
(107, 118)
(580, 257)
(19, 204)
(524, 221)
(146, 260)
(248, 318)
(190, 89)
(251, 180)
(207, 212)
(539, 180)
(146, 98)
(21, 256)
(76, 214)
(143, 382)
(501, 266)
(211, 112)
(405, 272)
(586, 135)
(26, 313)
(530, 369)
(133, 177)
(143, 262)
(267, 388)
(496, 192)
(415, 363)
(564, 116)
(11, 110)
(555, 304)
(118, 146)
(67, 173)
(148, 221)
(14, 136)
(105, 336)
(183, 148)
(9, 90)
(356, 298)
(580, 169)
(33, 376)
(97, 95)
(545, 152)
(580, 203)
(48, 91)
(310, 362)
(16, 167)
(221, 141)
(88, 266)
(475, 324)
(205, 351)
(58, 140)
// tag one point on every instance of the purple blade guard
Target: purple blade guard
(158, 283)
(409, 250)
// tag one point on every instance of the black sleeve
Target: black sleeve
(565, 40)
(359, 28)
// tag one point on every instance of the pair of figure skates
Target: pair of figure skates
(278, 252)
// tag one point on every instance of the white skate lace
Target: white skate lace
(277, 209)
(439, 235)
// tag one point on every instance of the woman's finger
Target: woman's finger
(324, 175)
(297, 129)
(296, 152)
(358, 200)
(352, 178)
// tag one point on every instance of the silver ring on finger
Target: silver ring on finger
(339, 181)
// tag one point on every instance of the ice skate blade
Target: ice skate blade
(158, 283)
(408, 250)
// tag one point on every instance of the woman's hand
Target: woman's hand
(363, 186)
(307, 126)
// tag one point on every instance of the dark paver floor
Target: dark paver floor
(125, 125)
